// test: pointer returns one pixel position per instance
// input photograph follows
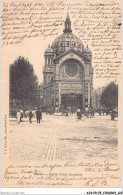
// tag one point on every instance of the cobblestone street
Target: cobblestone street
(60, 138)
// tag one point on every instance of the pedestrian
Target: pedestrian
(78, 114)
(18, 116)
(99, 112)
(30, 116)
(66, 114)
(21, 113)
(92, 111)
(38, 115)
(103, 111)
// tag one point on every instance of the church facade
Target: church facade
(67, 73)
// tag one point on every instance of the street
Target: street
(60, 138)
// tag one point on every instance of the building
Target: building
(96, 97)
(68, 73)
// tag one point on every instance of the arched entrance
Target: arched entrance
(71, 101)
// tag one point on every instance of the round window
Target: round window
(71, 69)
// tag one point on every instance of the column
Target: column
(59, 94)
(83, 93)
(45, 61)
(48, 61)
(54, 89)
(88, 94)
(51, 60)
(44, 79)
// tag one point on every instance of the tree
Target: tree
(109, 97)
(23, 82)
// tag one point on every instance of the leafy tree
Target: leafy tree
(109, 97)
(23, 82)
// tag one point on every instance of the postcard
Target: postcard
(61, 94)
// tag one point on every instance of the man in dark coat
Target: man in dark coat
(79, 114)
(38, 115)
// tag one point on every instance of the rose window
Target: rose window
(71, 69)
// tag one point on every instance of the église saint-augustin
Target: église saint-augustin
(68, 73)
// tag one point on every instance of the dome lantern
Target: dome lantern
(67, 40)
(67, 25)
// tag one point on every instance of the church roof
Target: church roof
(67, 41)
(67, 37)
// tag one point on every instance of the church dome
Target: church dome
(67, 40)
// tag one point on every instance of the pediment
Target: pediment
(70, 52)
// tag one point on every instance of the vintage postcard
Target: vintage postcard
(61, 94)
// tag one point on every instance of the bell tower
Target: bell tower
(48, 68)
(67, 25)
